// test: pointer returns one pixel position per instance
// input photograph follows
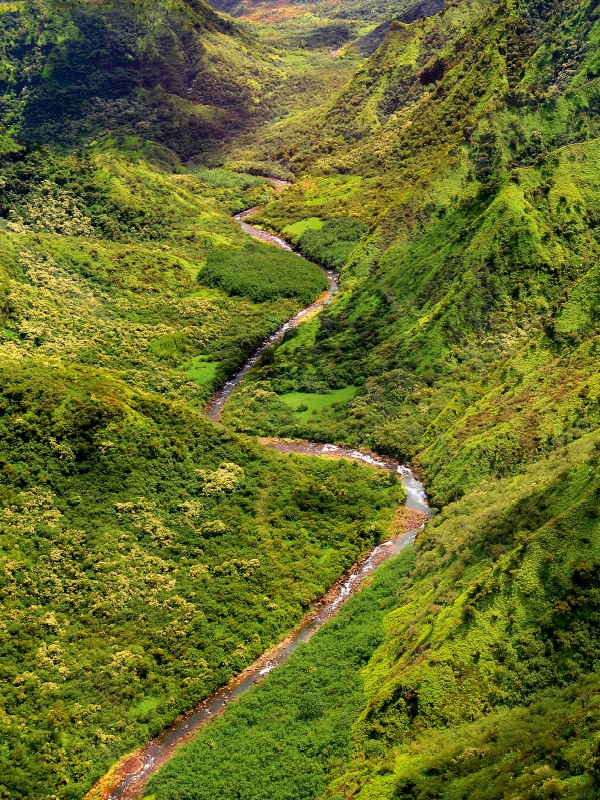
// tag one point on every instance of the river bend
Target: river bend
(128, 780)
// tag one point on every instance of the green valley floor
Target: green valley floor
(444, 162)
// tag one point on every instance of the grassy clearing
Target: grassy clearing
(201, 371)
(297, 229)
(305, 405)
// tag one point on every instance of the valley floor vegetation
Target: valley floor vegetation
(445, 163)
(145, 555)
(281, 739)
(464, 338)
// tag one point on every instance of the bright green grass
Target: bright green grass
(296, 60)
(201, 371)
(298, 228)
(304, 338)
(317, 403)
(145, 705)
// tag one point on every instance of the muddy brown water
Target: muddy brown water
(128, 780)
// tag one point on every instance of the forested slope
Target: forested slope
(145, 555)
(177, 73)
(470, 277)
(138, 543)
(457, 179)
(454, 183)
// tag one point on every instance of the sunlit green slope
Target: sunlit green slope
(482, 676)
(131, 528)
(145, 556)
(454, 183)
(478, 261)
(457, 180)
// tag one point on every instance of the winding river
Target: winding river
(128, 780)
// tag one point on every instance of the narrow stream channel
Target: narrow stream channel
(215, 407)
(131, 775)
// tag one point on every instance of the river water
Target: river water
(132, 774)
(215, 407)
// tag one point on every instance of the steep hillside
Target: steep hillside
(131, 527)
(178, 74)
(279, 740)
(147, 556)
(478, 682)
(393, 78)
(339, 28)
(480, 251)
(455, 184)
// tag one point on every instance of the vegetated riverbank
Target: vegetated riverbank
(279, 741)
(129, 521)
(128, 779)
(215, 407)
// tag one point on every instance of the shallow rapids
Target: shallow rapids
(133, 773)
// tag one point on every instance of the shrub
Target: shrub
(332, 244)
(263, 273)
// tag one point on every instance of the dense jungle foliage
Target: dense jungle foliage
(261, 275)
(145, 555)
(464, 338)
(451, 177)
(466, 321)
(281, 739)
(173, 73)
(486, 683)
(168, 74)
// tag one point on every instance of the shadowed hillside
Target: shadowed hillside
(180, 78)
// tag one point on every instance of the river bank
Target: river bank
(215, 407)
(126, 781)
